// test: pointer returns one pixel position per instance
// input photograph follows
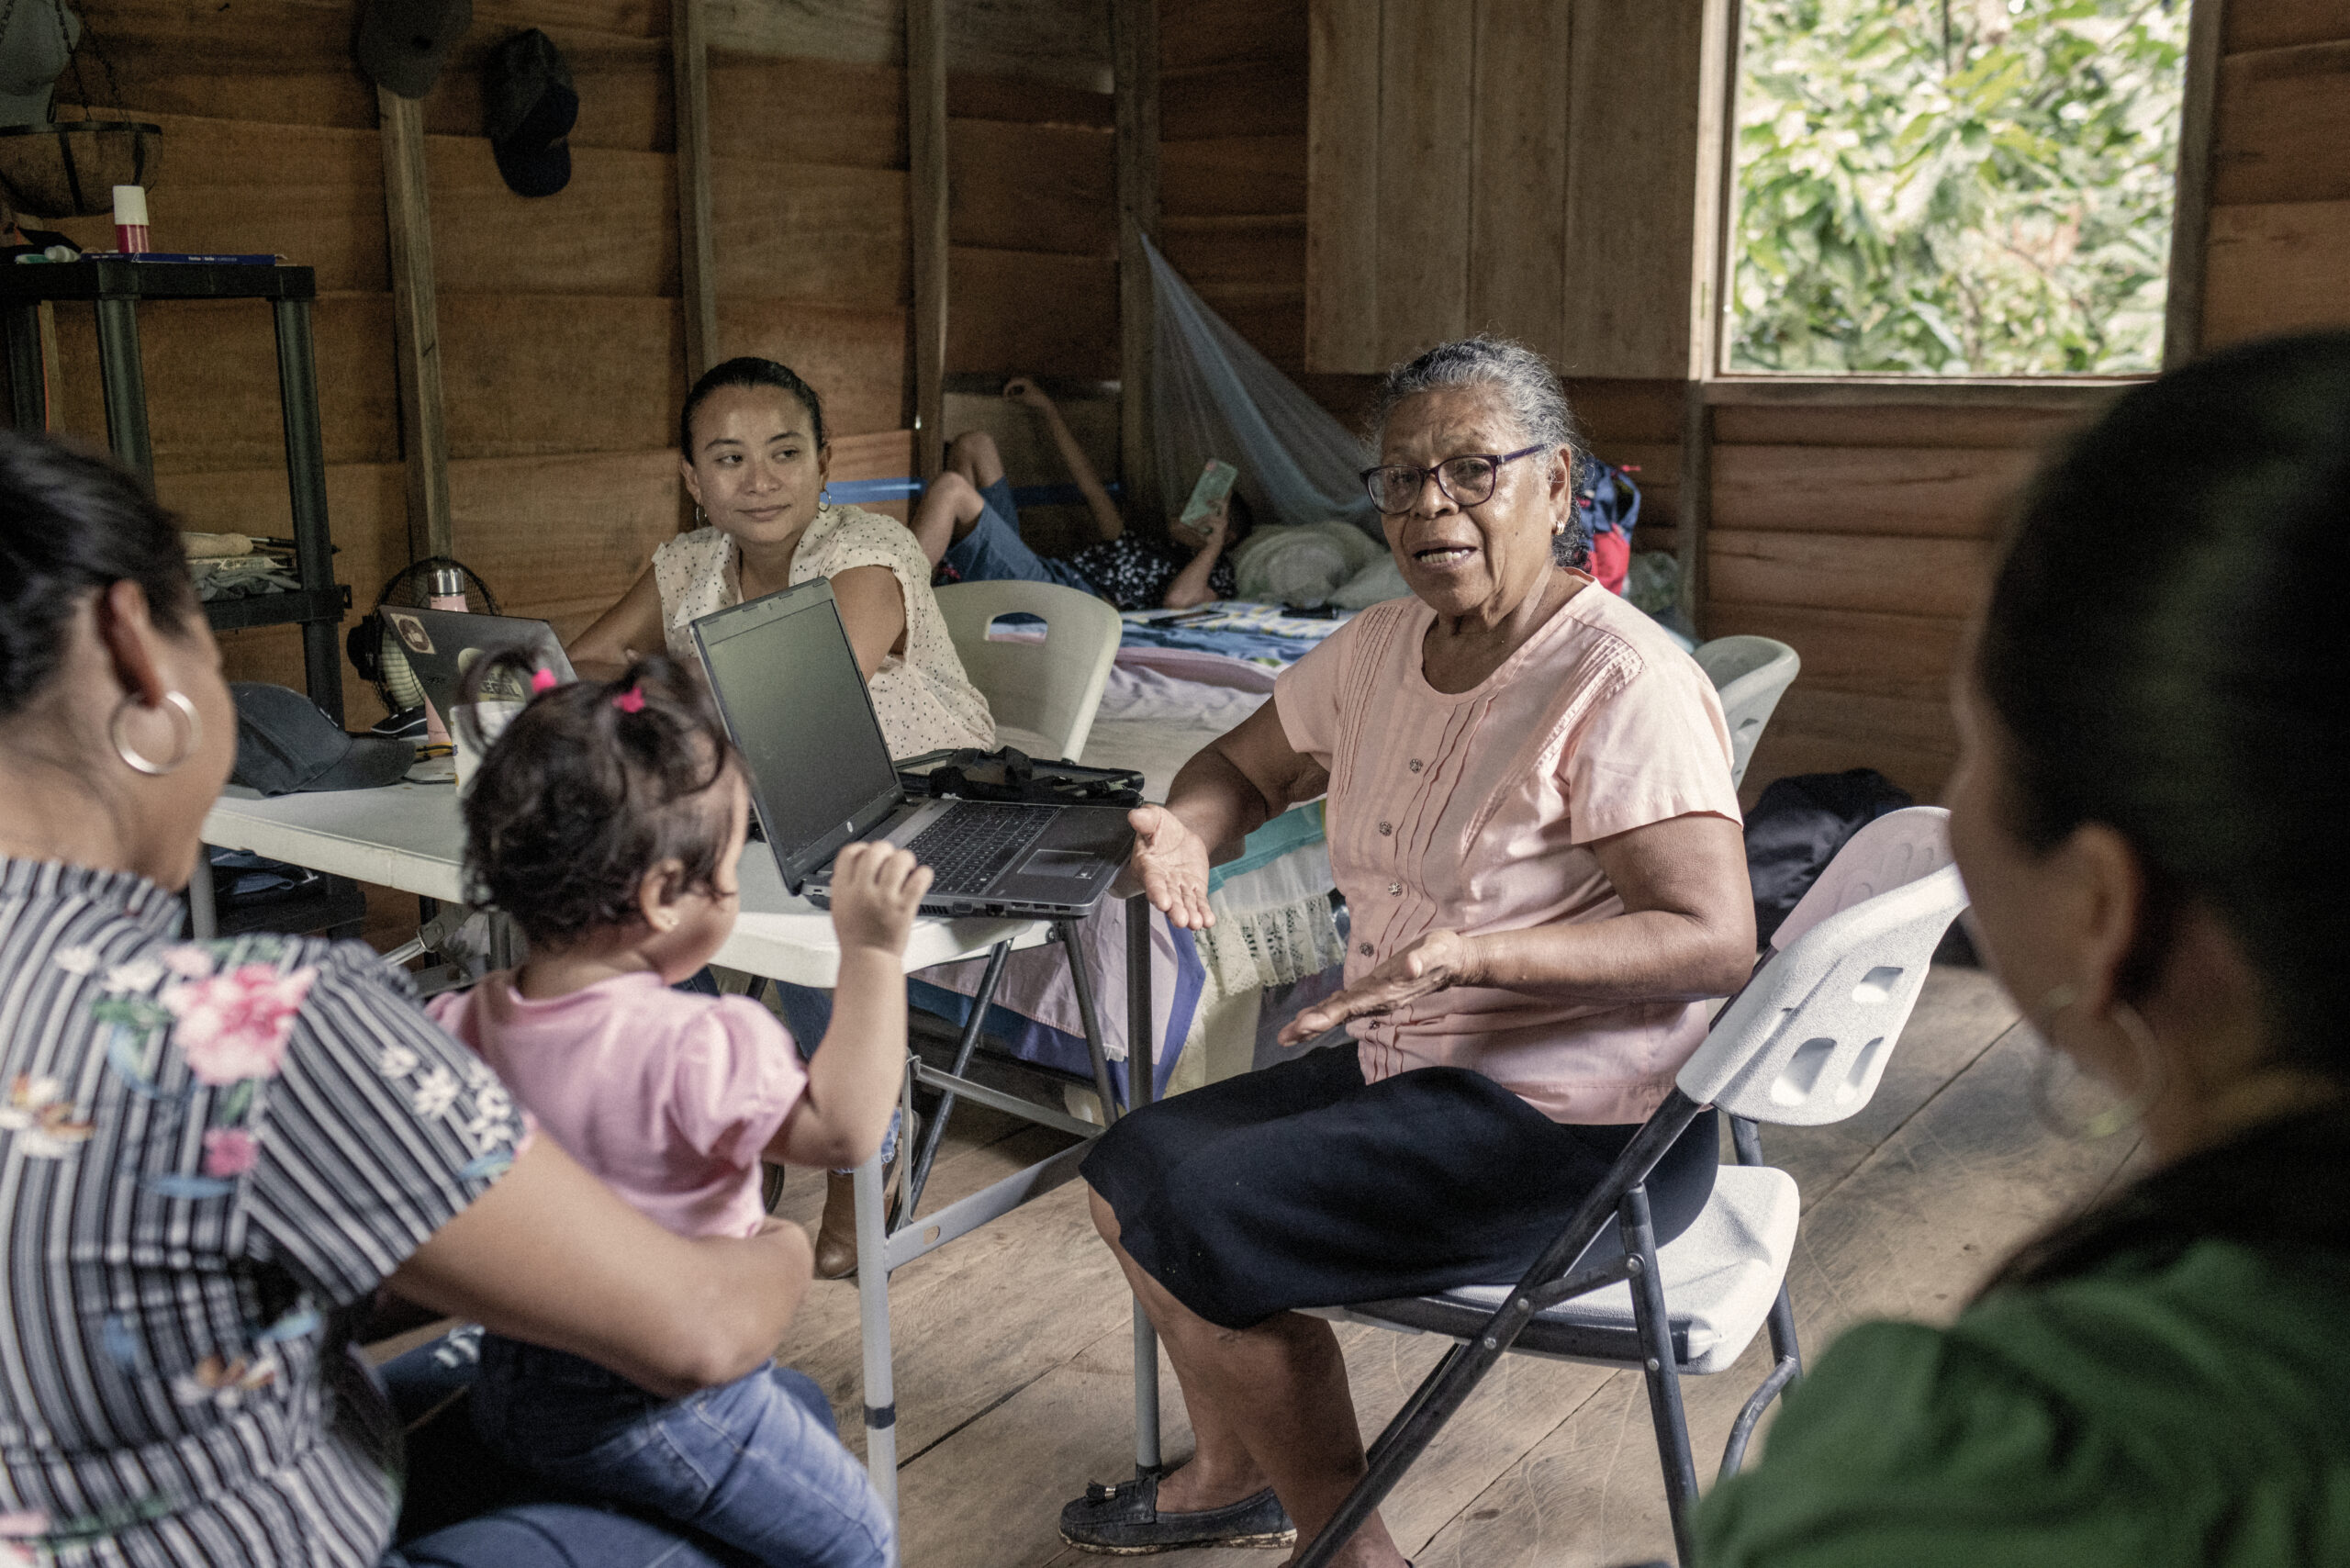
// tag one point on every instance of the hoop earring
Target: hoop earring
(824, 494)
(148, 766)
(2106, 1123)
(701, 518)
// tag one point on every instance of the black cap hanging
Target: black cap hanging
(531, 108)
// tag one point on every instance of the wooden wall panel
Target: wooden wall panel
(212, 382)
(288, 62)
(856, 360)
(1873, 653)
(808, 231)
(1031, 187)
(1225, 175)
(2275, 268)
(1913, 425)
(611, 230)
(1890, 490)
(1343, 189)
(540, 374)
(1425, 133)
(1064, 41)
(311, 194)
(2283, 116)
(807, 111)
(1230, 32)
(1834, 571)
(2275, 24)
(610, 511)
(1029, 312)
(1258, 97)
(1246, 257)
(1517, 181)
(1631, 186)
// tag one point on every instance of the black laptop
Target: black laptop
(793, 696)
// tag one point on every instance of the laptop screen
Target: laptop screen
(787, 685)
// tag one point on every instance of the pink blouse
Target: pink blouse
(1475, 810)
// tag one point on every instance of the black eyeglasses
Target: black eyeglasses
(1467, 481)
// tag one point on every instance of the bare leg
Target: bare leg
(944, 514)
(1268, 1404)
(973, 455)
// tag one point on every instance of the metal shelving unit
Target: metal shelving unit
(116, 286)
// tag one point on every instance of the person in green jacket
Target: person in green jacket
(2154, 827)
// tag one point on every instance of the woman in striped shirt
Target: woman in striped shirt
(211, 1151)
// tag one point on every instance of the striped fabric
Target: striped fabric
(206, 1151)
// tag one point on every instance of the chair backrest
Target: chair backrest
(1807, 1041)
(1043, 690)
(1750, 674)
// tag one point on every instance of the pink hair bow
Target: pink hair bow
(632, 700)
(542, 679)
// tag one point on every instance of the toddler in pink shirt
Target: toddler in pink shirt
(608, 820)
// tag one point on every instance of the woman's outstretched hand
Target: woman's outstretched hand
(1020, 389)
(1439, 959)
(1172, 863)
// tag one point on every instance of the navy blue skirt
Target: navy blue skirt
(1300, 1185)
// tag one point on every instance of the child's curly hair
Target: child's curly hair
(592, 784)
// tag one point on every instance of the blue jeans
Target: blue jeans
(994, 551)
(756, 1464)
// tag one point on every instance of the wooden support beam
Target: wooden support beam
(1720, 27)
(2192, 199)
(1133, 37)
(926, 198)
(424, 433)
(697, 264)
(1696, 499)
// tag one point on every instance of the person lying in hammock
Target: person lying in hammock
(969, 528)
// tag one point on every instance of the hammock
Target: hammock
(1215, 395)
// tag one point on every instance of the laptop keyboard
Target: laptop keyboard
(971, 846)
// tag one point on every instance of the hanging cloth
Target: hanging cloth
(1215, 395)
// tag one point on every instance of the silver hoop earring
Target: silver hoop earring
(701, 518)
(2115, 1118)
(148, 766)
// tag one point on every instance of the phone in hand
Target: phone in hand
(1215, 483)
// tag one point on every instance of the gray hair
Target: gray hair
(1528, 388)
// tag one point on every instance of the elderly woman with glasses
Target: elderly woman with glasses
(1532, 821)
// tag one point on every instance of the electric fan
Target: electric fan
(435, 583)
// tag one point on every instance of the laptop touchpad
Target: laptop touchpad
(1059, 863)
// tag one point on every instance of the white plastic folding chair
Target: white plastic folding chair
(1749, 674)
(1044, 690)
(1804, 1043)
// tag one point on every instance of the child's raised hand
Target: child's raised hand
(877, 891)
(1020, 389)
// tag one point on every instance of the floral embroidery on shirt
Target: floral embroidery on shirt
(230, 1151)
(234, 1025)
(38, 1111)
(76, 960)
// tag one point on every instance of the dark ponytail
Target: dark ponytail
(2165, 644)
(72, 524)
(2165, 649)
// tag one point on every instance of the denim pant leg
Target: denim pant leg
(780, 1485)
(994, 551)
(564, 1534)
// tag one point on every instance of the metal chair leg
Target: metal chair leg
(937, 1132)
(1662, 1370)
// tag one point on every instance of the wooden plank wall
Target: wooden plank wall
(2279, 247)
(1862, 536)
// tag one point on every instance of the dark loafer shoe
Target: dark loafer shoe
(1124, 1520)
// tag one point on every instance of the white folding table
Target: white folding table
(409, 836)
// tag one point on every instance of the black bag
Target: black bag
(1008, 774)
(1797, 826)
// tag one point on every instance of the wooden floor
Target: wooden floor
(1015, 1360)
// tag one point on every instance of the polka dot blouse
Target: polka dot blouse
(924, 700)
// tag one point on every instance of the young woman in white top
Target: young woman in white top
(755, 460)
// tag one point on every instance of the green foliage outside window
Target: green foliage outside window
(1954, 187)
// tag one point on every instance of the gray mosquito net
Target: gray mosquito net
(1215, 395)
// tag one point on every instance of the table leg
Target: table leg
(202, 921)
(1141, 1079)
(935, 1133)
(873, 1328)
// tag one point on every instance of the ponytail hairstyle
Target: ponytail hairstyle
(749, 370)
(2164, 649)
(586, 790)
(73, 524)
